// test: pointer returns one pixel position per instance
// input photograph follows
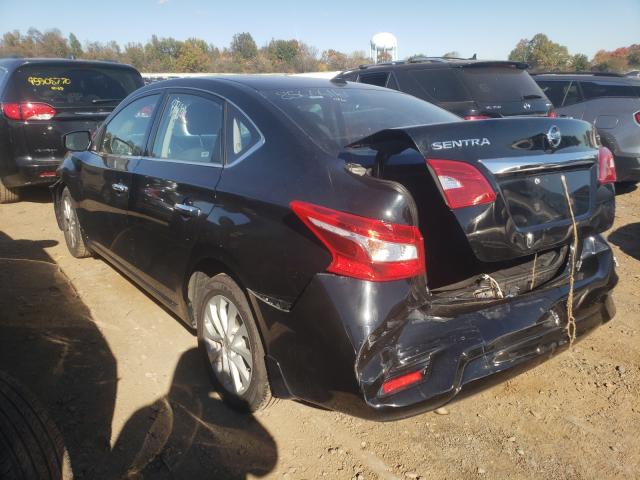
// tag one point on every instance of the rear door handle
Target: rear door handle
(188, 210)
(120, 187)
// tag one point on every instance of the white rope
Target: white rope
(495, 286)
(571, 321)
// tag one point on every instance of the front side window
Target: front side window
(241, 134)
(126, 133)
(190, 130)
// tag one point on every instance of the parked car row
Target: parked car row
(344, 243)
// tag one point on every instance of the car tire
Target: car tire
(71, 228)
(31, 446)
(8, 195)
(231, 353)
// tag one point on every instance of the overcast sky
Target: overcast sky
(489, 28)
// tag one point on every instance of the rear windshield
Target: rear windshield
(71, 86)
(491, 84)
(337, 117)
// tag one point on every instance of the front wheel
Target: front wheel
(230, 343)
(71, 227)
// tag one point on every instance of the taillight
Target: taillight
(552, 114)
(637, 117)
(401, 382)
(463, 184)
(476, 117)
(365, 248)
(28, 111)
(606, 166)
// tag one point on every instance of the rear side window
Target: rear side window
(125, 134)
(190, 130)
(561, 94)
(75, 86)
(375, 78)
(603, 89)
(241, 134)
(491, 84)
(441, 85)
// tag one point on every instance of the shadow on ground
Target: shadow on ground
(35, 194)
(625, 187)
(627, 238)
(49, 342)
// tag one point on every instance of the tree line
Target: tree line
(543, 54)
(287, 56)
(191, 55)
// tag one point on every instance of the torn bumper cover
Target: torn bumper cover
(358, 335)
(462, 354)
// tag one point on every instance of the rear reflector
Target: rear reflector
(47, 174)
(476, 117)
(365, 248)
(637, 117)
(401, 382)
(552, 114)
(463, 184)
(28, 111)
(606, 166)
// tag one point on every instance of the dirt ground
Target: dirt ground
(122, 380)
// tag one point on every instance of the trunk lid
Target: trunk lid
(523, 160)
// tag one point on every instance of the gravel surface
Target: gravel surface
(122, 380)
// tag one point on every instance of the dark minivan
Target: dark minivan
(472, 89)
(43, 99)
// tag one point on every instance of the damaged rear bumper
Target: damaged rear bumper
(343, 338)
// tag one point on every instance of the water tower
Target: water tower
(383, 42)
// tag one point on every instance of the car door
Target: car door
(173, 189)
(106, 175)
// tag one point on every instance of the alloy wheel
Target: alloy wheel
(227, 342)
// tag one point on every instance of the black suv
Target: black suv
(42, 99)
(472, 89)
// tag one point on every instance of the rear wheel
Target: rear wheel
(71, 227)
(230, 343)
(8, 195)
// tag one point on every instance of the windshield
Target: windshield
(336, 117)
(76, 86)
(500, 84)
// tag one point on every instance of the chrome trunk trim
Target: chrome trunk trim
(537, 163)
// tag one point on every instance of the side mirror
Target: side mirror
(77, 141)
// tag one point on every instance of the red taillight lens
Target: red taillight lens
(463, 184)
(476, 117)
(637, 117)
(28, 111)
(552, 114)
(606, 166)
(401, 382)
(365, 248)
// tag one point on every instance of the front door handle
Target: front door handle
(120, 187)
(188, 210)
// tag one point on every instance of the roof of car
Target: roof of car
(436, 62)
(15, 62)
(259, 82)
(600, 76)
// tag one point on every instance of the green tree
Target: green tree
(243, 47)
(193, 56)
(75, 47)
(580, 63)
(541, 53)
(283, 52)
